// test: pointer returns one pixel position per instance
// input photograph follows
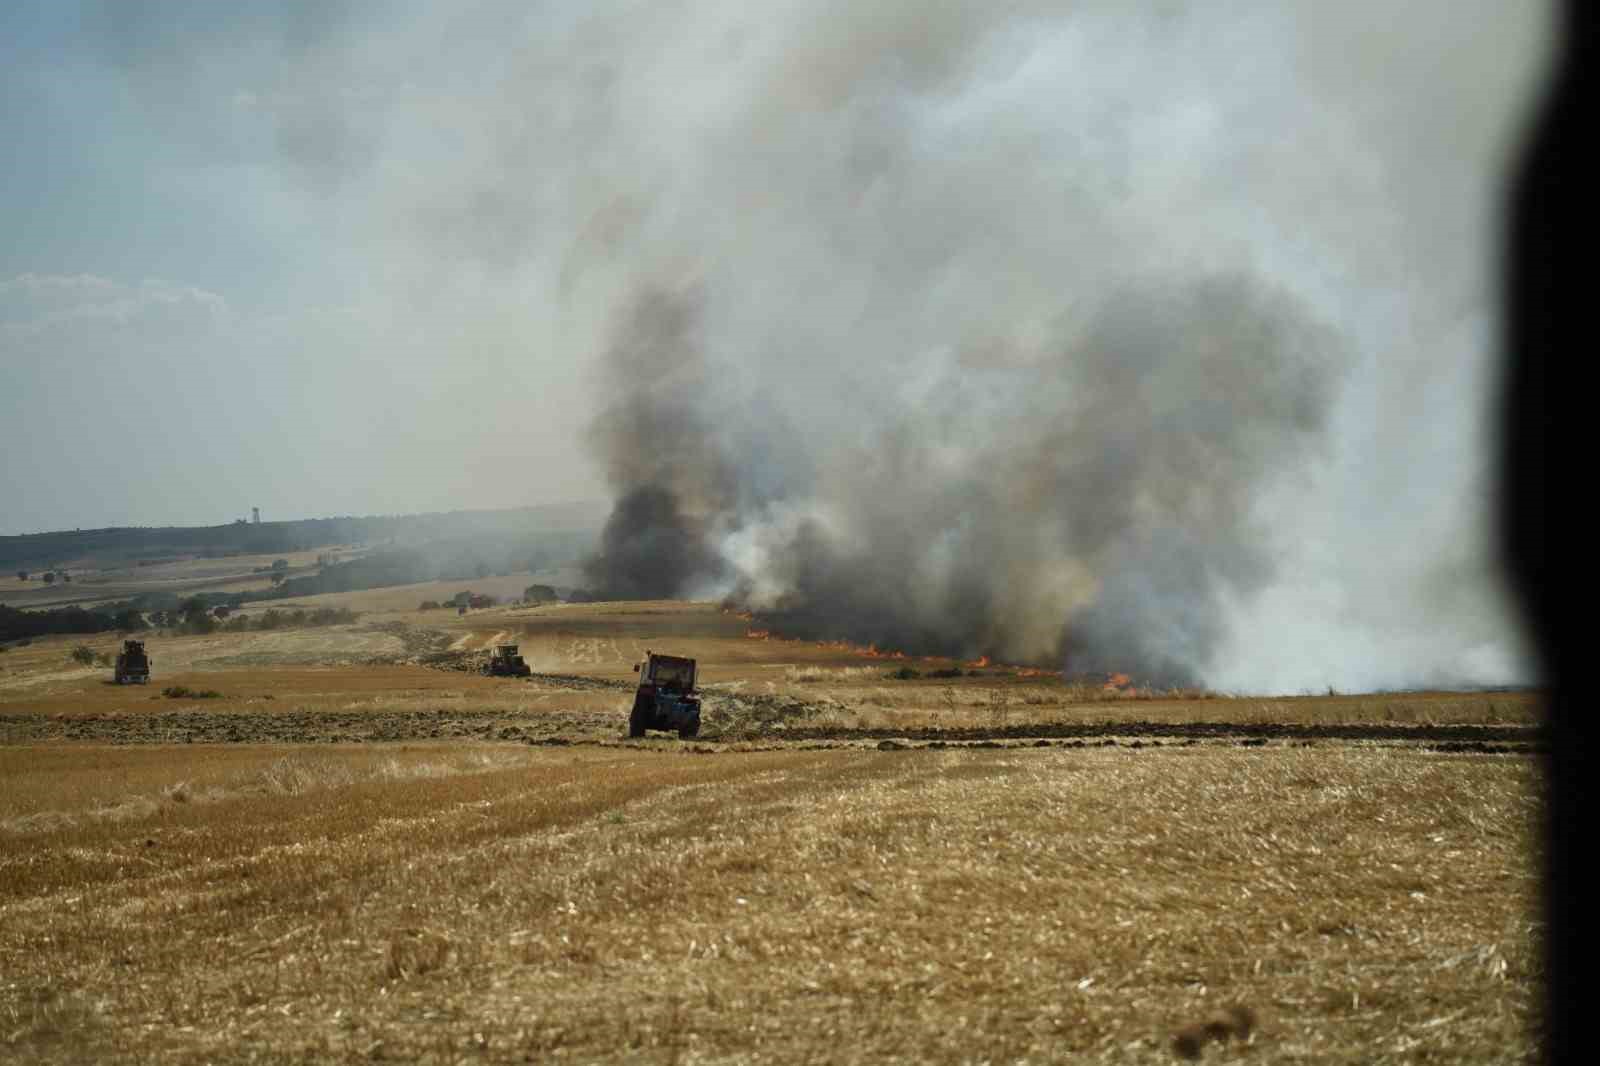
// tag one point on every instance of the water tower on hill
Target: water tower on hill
(255, 515)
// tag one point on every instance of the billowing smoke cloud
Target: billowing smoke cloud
(1037, 336)
(1091, 504)
(658, 445)
(1153, 337)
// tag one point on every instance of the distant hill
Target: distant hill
(128, 546)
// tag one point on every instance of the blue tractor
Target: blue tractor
(666, 697)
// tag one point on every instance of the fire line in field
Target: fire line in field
(1117, 682)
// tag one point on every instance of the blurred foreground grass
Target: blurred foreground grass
(496, 903)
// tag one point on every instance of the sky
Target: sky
(359, 258)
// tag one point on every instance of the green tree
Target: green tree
(196, 618)
(49, 577)
(130, 620)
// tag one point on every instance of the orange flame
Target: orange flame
(758, 634)
(1117, 682)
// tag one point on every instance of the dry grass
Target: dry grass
(180, 577)
(405, 598)
(492, 902)
(498, 904)
(365, 681)
(603, 641)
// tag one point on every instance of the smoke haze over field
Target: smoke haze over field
(1140, 337)
(1104, 480)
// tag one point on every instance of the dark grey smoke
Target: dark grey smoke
(650, 549)
(967, 326)
(1145, 338)
(670, 478)
(1093, 509)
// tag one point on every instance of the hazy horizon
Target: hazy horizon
(600, 504)
(1155, 330)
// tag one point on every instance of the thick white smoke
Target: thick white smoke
(1155, 341)
(1127, 336)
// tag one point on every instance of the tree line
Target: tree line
(17, 624)
(191, 616)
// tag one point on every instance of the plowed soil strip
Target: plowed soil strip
(222, 727)
(1286, 731)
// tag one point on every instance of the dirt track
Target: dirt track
(193, 726)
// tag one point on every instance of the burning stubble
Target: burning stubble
(1087, 508)
(1063, 338)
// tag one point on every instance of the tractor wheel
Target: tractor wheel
(638, 720)
(689, 731)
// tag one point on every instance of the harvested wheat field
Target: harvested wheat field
(359, 849)
(506, 904)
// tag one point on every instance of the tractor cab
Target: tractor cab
(505, 661)
(133, 665)
(666, 698)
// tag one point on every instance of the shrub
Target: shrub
(83, 655)
(179, 692)
(330, 616)
(130, 621)
(428, 605)
(904, 673)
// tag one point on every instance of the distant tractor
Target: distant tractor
(133, 665)
(505, 662)
(666, 697)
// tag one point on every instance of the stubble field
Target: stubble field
(361, 850)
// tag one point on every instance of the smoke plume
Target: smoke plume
(1033, 336)
(1149, 337)
(1089, 506)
